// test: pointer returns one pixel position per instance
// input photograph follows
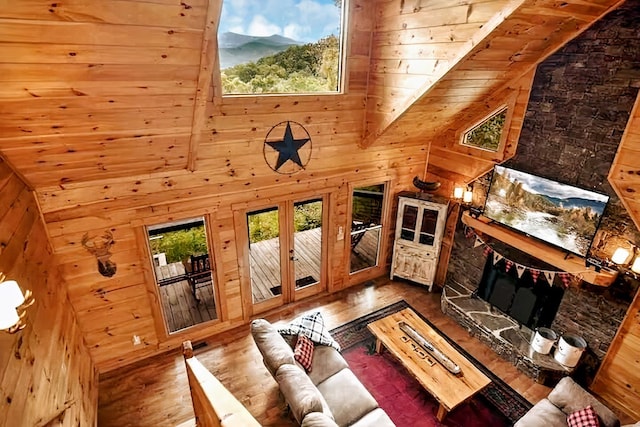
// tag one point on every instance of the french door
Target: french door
(285, 252)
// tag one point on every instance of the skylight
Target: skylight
(280, 46)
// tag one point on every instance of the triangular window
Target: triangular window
(488, 133)
(284, 46)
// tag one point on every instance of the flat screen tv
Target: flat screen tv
(559, 214)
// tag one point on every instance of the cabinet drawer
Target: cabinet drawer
(411, 251)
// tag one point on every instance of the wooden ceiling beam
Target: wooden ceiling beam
(372, 134)
(209, 62)
(532, 38)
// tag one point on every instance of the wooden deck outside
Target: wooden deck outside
(182, 310)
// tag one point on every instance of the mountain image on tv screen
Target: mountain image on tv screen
(560, 214)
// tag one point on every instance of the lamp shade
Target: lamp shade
(620, 256)
(10, 294)
(468, 196)
(8, 317)
(635, 267)
(457, 192)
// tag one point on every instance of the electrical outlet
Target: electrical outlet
(136, 340)
(340, 233)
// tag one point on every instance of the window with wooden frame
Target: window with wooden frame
(183, 270)
(281, 47)
(489, 133)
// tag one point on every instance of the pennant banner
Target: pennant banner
(508, 265)
(496, 257)
(534, 274)
(550, 275)
(565, 279)
(520, 269)
(478, 242)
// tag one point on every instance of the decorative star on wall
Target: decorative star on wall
(287, 139)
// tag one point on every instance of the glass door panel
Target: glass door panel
(428, 226)
(409, 221)
(366, 224)
(264, 254)
(306, 252)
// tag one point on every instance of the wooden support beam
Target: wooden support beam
(209, 62)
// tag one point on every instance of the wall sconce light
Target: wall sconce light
(468, 196)
(458, 193)
(13, 305)
(620, 256)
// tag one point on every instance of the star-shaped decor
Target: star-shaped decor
(288, 147)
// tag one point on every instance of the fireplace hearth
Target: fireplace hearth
(506, 336)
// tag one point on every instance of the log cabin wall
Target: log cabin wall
(107, 113)
(47, 373)
(229, 174)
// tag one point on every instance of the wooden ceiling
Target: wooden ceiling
(94, 91)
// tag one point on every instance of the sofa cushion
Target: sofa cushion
(274, 349)
(585, 417)
(326, 362)
(375, 418)
(348, 399)
(302, 396)
(543, 413)
(318, 419)
(311, 325)
(570, 397)
(303, 352)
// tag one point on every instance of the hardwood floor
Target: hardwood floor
(155, 392)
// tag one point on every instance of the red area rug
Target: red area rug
(404, 399)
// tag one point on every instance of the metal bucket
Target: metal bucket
(570, 348)
(543, 340)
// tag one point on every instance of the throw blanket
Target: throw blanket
(311, 325)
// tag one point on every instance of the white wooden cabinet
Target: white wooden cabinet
(419, 230)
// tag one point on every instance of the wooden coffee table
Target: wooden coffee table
(449, 390)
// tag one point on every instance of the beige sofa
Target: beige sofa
(329, 395)
(565, 398)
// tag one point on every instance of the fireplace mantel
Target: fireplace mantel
(570, 263)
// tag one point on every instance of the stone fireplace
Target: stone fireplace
(590, 311)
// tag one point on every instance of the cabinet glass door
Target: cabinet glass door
(409, 222)
(428, 226)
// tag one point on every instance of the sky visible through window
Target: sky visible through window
(280, 46)
(301, 20)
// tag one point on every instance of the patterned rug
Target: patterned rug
(357, 344)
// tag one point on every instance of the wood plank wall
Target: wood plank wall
(87, 82)
(618, 379)
(230, 175)
(414, 45)
(46, 372)
(624, 175)
(125, 162)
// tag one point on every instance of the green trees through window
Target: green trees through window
(293, 46)
(299, 69)
(487, 134)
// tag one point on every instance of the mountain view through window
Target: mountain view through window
(280, 46)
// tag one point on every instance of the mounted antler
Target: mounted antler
(106, 267)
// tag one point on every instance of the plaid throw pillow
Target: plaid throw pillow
(303, 352)
(586, 417)
(311, 325)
